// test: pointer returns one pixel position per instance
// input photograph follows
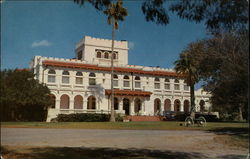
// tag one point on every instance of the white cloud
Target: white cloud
(41, 43)
(131, 45)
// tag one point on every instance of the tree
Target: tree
(222, 62)
(217, 14)
(22, 97)
(115, 12)
(185, 66)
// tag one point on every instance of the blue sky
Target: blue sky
(52, 29)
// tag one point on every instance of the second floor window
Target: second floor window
(51, 76)
(92, 78)
(167, 84)
(137, 82)
(65, 77)
(126, 82)
(157, 83)
(79, 78)
(176, 85)
(115, 81)
(186, 87)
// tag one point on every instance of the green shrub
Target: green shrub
(83, 117)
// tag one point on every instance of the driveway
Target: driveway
(178, 141)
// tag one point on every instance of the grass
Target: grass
(170, 125)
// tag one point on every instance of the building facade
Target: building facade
(82, 84)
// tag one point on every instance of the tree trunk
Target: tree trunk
(112, 116)
(240, 114)
(192, 98)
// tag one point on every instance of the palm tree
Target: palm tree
(115, 12)
(185, 66)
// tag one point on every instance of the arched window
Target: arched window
(115, 80)
(92, 78)
(157, 83)
(186, 87)
(64, 102)
(78, 102)
(137, 82)
(126, 105)
(126, 81)
(186, 106)
(177, 105)
(79, 78)
(65, 77)
(91, 102)
(167, 105)
(52, 76)
(137, 105)
(176, 85)
(157, 106)
(167, 84)
(106, 55)
(114, 55)
(116, 104)
(99, 54)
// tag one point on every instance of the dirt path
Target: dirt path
(179, 141)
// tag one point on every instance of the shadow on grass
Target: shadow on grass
(95, 153)
(239, 132)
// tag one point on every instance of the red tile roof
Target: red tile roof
(119, 92)
(116, 69)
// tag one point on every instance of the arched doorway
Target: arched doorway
(126, 106)
(91, 102)
(157, 106)
(177, 105)
(64, 102)
(186, 106)
(167, 105)
(116, 104)
(202, 106)
(137, 105)
(78, 102)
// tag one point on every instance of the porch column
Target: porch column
(181, 106)
(162, 107)
(85, 103)
(132, 107)
(120, 104)
(57, 104)
(71, 104)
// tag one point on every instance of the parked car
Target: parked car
(169, 115)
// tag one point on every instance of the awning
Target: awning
(119, 92)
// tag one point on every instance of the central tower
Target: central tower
(98, 51)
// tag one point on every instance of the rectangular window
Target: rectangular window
(92, 81)
(78, 80)
(167, 86)
(186, 88)
(115, 82)
(65, 79)
(157, 86)
(137, 84)
(126, 84)
(79, 55)
(176, 87)
(51, 79)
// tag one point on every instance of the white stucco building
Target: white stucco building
(82, 84)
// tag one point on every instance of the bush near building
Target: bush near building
(82, 117)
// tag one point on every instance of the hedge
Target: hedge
(82, 117)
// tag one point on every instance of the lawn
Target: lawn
(169, 125)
